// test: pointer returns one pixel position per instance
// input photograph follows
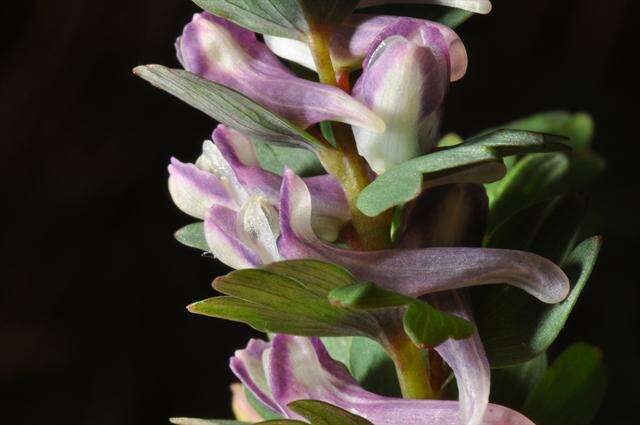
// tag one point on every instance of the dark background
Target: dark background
(93, 328)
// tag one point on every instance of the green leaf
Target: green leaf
(368, 363)
(288, 297)
(549, 228)
(516, 328)
(274, 158)
(537, 178)
(227, 106)
(192, 236)
(321, 413)
(510, 386)
(195, 421)
(426, 326)
(479, 160)
(429, 327)
(571, 391)
(283, 18)
(367, 296)
(577, 127)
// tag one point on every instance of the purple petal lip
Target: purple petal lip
(477, 6)
(220, 233)
(225, 53)
(416, 272)
(298, 368)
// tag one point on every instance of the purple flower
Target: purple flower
(225, 53)
(239, 201)
(353, 40)
(477, 6)
(415, 272)
(292, 368)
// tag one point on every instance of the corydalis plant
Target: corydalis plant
(391, 268)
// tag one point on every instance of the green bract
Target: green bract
(228, 106)
(478, 160)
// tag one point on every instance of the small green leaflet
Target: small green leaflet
(192, 236)
(571, 390)
(283, 18)
(227, 106)
(478, 160)
(426, 326)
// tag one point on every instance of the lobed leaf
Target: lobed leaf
(227, 106)
(288, 297)
(275, 158)
(478, 160)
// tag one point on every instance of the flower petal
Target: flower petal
(194, 191)
(353, 39)
(248, 365)
(405, 81)
(225, 53)
(330, 208)
(225, 245)
(301, 368)
(467, 359)
(416, 272)
(476, 6)
(257, 227)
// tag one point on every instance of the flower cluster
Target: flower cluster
(401, 214)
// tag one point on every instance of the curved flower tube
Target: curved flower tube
(476, 6)
(353, 39)
(239, 200)
(416, 272)
(292, 368)
(225, 53)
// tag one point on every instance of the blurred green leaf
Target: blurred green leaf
(321, 413)
(283, 18)
(426, 325)
(227, 106)
(514, 327)
(510, 386)
(478, 160)
(288, 297)
(571, 390)
(538, 178)
(192, 236)
(274, 158)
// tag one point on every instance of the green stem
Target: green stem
(346, 165)
(411, 366)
